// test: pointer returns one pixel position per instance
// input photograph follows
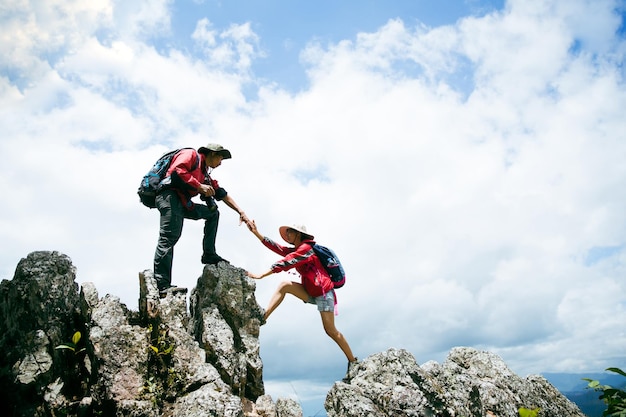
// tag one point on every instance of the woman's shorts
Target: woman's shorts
(324, 302)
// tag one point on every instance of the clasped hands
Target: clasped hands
(252, 227)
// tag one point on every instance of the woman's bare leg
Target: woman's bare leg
(328, 320)
(288, 287)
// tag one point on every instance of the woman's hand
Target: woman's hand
(259, 276)
(252, 227)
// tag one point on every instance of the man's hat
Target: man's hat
(300, 228)
(214, 147)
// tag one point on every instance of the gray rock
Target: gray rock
(66, 351)
(72, 353)
(39, 310)
(468, 383)
(286, 407)
(225, 321)
(36, 362)
(264, 407)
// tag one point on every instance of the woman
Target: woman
(315, 287)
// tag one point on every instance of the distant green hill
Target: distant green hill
(574, 388)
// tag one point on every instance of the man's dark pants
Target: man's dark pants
(171, 227)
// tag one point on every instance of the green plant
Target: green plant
(161, 376)
(525, 412)
(73, 345)
(152, 390)
(160, 342)
(75, 373)
(614, 398)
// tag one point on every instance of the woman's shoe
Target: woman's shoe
(352, 365)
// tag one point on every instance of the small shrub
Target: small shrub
(73, 345)
(525, 412)
(614, 398)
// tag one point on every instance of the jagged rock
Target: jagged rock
(38, 310)
(196, 387)
(469, 383)
(286, 407)
(120, 349)
(265, 407)
(225, 318)
(73, 353)
(148, 296)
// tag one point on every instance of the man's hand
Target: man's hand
(206, 190)
(244, 219)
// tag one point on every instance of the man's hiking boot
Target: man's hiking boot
(352, 365)
(213, 259)
(172, 289)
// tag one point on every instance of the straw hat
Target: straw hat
(298, 227)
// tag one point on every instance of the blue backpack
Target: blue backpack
(331, 264)
(151, 182)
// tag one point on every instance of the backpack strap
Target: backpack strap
(196, 162)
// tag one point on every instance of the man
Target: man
(188, 176)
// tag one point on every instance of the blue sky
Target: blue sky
(463, 158)
(285, 28)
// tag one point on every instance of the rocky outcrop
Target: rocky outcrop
(66, 351)
(38, 310)
(470, 383)
(225, 319)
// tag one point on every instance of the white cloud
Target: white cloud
(141, 20)
(501, 194)
(462, 173)
(235, 47)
